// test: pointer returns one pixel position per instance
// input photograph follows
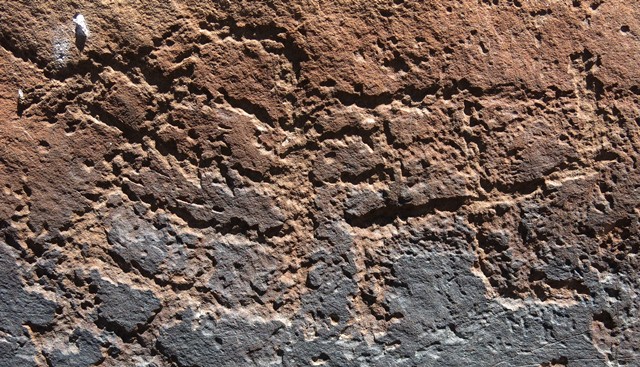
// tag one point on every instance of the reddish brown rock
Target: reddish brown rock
(341, 183)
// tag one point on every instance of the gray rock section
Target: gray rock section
(231, 341)
(17, 308)
(88, 354)
(124, 309)
(151, 246)
(442, 318)
(137, 243)
(448, 321)
(243, 272)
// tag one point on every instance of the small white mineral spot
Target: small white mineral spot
(21, 102)
(81, 26)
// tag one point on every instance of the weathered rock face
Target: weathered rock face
(345, 183)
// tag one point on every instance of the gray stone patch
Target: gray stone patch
(242, 272)
(124, 309)
(19, 307)
(442, 318)
(230, 341)
(88, 354)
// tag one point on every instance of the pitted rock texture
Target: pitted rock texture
(337, 183)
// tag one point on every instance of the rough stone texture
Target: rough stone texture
(343, 183)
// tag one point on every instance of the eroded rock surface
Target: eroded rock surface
(345, 183)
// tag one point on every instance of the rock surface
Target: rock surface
(345, 183)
